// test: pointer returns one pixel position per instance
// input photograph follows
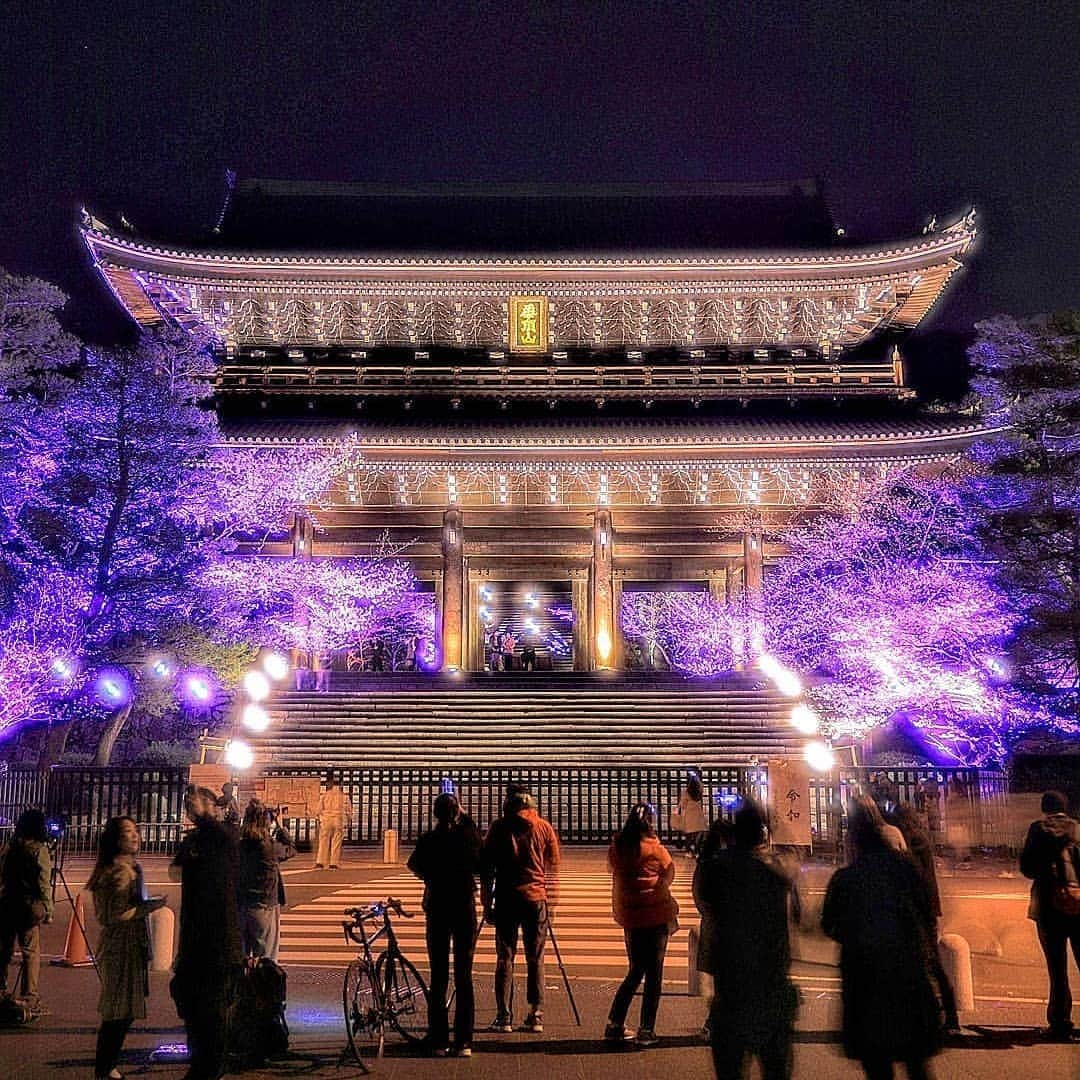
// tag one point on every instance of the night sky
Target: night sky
(903, 109)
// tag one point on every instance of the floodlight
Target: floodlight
(256, 685)
(276, 665)
(255, 717)
(239, 755)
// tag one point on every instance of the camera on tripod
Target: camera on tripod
(55, 830)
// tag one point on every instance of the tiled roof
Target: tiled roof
(743, 433)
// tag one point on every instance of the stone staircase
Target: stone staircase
(538, 719)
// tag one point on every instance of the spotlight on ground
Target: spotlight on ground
(255, 717)
(256, 685)
(819, 757)
(276, 665)
(239, 755)
(161, 668)
(197, 690)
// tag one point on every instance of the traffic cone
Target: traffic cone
(76, 947)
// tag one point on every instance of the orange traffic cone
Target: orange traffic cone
(76, 947)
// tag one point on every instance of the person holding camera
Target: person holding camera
(25, 902)
(123, 952)
(263, 845)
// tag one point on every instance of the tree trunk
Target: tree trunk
(52, 749)
(111, 733)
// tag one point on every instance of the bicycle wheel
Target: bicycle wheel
(406, 996)
(363, 1019)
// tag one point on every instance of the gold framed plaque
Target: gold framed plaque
(528, 324)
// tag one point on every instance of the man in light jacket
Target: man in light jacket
(334, 813)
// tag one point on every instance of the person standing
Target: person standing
(745, 894)
(322, 661)
(123, 952)
(520, 889)
(641, 875)
(447, 860)
(921, 849)
(509, 646)
(25, 903)
(210, 957)
(1051, 858)
(878, 909)
(334, 813)
(691, 812)
(262, 847)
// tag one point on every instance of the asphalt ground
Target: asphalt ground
(1001, 1037)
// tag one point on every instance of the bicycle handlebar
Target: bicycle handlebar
(375, 911)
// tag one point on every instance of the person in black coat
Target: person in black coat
(879, 910)
(1051, 857)
(209, 957)
(447, 859)
(744, 893)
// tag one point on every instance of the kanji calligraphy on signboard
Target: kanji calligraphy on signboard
(789, 801)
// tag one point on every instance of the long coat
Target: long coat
(879, 910)
(123, 952)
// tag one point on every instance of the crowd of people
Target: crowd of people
(883, 908)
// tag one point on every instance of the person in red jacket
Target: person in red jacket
(520, 887)
(641, 875)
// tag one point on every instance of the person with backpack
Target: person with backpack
(123, 952)
(1051, 858)
(642, 871)
(520, 889)
(25, 902)
(447, 860)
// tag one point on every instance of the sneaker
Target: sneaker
(501, 1023)
(319, 866)
(646, 1037)
(534, 1023)
(618, 1033)
(464, 1050)
(334, 866)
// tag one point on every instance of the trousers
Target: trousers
(110, 1041)
(456, 929)
(645, 950)
(530, 917)
(331, 834)
(1056, 934)
(29, 942)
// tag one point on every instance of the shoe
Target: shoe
(501, 1023)
(1059, 1034)
(534, 1023)
(334, 866)
(464, 1050)
(646, 1037)
(319, 866)
(618, 1033)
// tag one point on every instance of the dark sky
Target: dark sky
(903, 109)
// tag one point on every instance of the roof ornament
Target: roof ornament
(88, 221)
(125, 224)
(230, 187)
(930, 226)
(965, 223)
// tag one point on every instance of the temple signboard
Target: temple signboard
(528, 324)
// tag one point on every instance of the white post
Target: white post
(390, 846)
(693, 976)
(161, 924)
(955, 956)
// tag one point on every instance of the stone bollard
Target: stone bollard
(955, 954)
(162, 926)
(693, 976)
(390, 846)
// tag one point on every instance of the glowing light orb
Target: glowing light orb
(819, 757)
(788, 683)
(255, 717)
(276, 665)
(161, 668)
(63, 669)
(197, 689)
(256, 685)
(113, 688)
(239, 755)
(603, 645)
(804, 719)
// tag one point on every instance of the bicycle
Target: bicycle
(381, 991)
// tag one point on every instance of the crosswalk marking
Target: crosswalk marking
(588, 937)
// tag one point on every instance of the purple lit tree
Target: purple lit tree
(690, 631)
(316, 605)
(1026, 500)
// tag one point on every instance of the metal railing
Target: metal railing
(586, 805)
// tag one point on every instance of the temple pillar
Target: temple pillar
(618, 653)
(752, 561)
(600, 592)
(474, 638)
(453, 595)
(718, 584)
(579, 600)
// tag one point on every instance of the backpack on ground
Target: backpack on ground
(259, 1028)
(1065, 895)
